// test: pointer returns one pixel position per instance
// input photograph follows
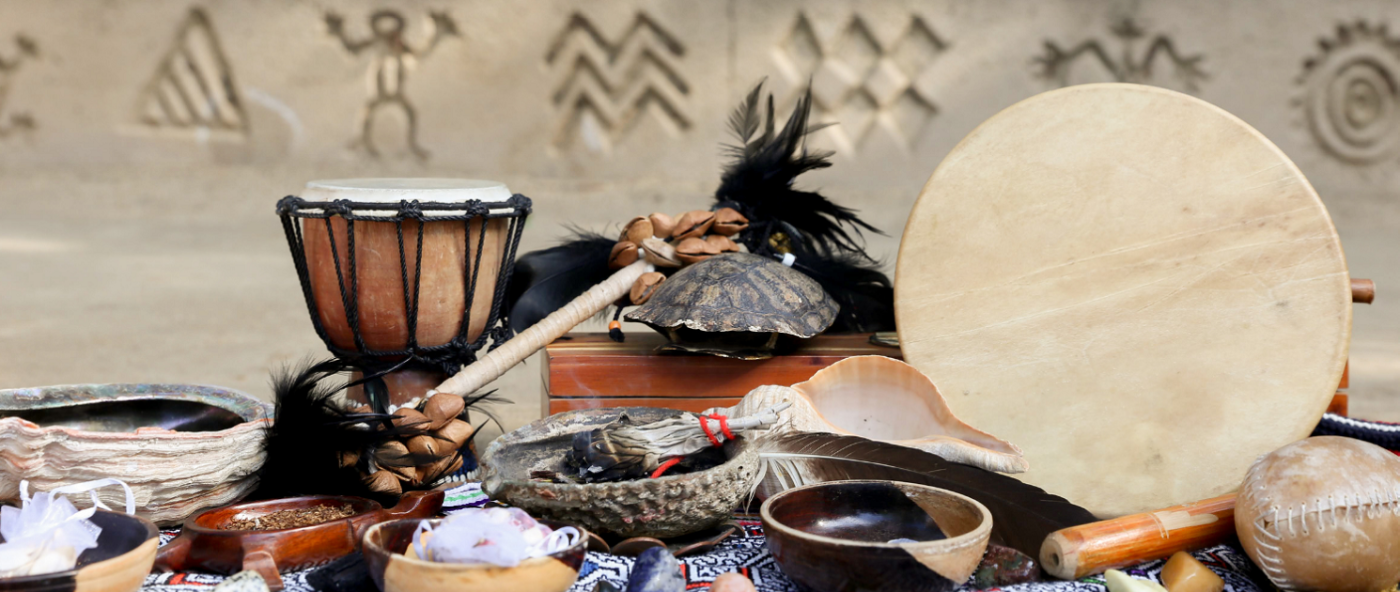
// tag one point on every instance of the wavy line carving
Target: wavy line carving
(606, 87)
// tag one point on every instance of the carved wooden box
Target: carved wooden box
(587, 370)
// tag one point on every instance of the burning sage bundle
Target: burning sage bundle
(623, 450)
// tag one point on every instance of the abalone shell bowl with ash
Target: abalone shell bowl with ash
(180, 447)
(125, 550)
(875, 535)
(668, 506)
(386, 544)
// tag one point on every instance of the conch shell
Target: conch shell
(882, 399)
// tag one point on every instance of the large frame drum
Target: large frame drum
(405, 275)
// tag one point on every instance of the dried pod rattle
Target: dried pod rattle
(671, 243)
(1323, 514)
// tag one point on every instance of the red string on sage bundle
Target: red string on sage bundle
(671, 462)
(705, 427)
(723, 427)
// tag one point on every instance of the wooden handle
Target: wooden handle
(416, 504)
(263, 563)
(174, 555)
(1363, 291)
(1086, 549)
(494, 364)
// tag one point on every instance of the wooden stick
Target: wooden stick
(494, 364)
(1363, 291)
(1092, 548)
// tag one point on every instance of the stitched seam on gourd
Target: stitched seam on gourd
(1292, 523)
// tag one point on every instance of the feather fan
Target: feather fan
(546, 280)
(759, 184)
(310, 434)
(864, 293)
(824, 236)
(1022, 514)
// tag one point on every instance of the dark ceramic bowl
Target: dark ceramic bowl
(123, 556)
(834, 537)
(393, 571)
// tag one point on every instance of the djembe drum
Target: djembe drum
(404, 278)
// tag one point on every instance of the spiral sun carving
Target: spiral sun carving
(1352, 94)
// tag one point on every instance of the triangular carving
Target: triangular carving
(193, 85)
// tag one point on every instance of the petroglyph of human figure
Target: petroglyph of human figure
(18, 121)
(392, 58)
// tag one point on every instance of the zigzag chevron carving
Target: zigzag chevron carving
(607, 87)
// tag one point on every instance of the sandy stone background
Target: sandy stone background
(144, 143)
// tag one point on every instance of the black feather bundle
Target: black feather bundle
(759, 184)
(823, 236)
(864, 293)
(311, 435)
(546, 280)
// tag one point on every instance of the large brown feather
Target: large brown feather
(1022, 514)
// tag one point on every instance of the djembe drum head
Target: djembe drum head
(1132, 285)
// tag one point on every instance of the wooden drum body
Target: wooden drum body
(404, 264)
(448, 247)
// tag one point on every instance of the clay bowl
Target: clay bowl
(393, 571)
(834, 536)
(205, 544)
(182, 448)
(669, 506)
(123, 556)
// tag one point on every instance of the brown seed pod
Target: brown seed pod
(457, 432)
(442, 408)
(424, 445)
(645, 286)
(694, 250)
(729, 222)
(384, 482)
(393, 456)
(348, 458)
(638, 230)
(660, 253)
(692, 224)
(442, 467)
(722, 243)
(623, 254)
(622, 236)
(661, 224)
(408, 417)
(364, 409)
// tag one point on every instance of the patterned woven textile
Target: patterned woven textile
(744, 552)
(1385, 435)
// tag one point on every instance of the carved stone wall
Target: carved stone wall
(617, 90)
(165, 116)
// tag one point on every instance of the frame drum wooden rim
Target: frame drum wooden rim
(1134, 286)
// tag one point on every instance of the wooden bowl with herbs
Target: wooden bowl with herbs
(283, 534)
